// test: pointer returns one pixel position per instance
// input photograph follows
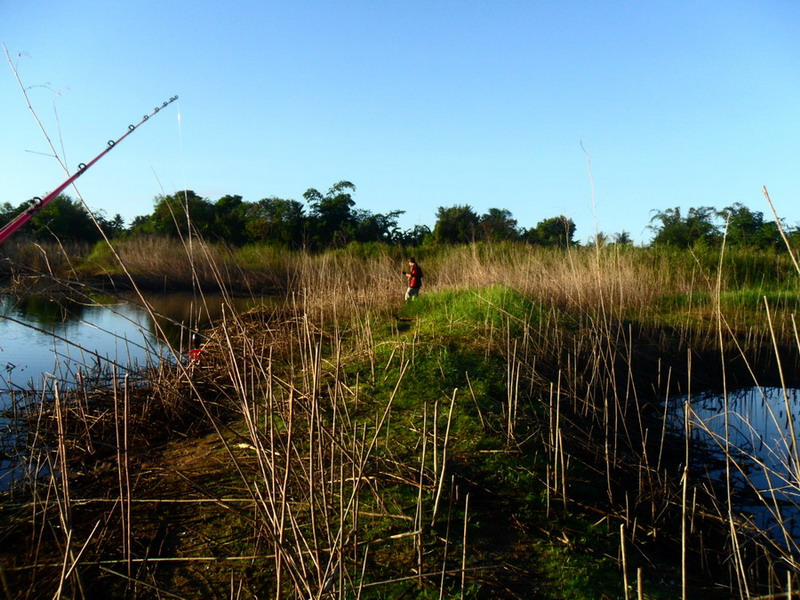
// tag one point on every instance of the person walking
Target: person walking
(414, 276)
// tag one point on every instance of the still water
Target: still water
(757, 429)
(48, 338)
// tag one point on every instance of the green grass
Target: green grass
(461, 312)
(457, 341)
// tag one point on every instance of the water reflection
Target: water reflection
(43, 311)
(51, 336)
(48, 338)
(759, 436)
(178, 314)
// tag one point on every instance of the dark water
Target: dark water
(45, 338)
(759, 436)
(50, 337)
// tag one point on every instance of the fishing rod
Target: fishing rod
(38, 203)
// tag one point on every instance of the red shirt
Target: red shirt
(415, 279)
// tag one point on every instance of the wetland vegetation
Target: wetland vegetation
(505, 435)
(512, 433)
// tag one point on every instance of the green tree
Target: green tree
(180, 213)
(497, 224)
(793, 235)
(332, 219)
(230, 217)
(64, 218)
(457, 224)
(553, 232)
(748, 228)
(376, 227)
(684, 232)
(276, 221)
(623, 238)
(416, 236)
(7, 213)
(599, 239)
(140, 224)
(115, 226)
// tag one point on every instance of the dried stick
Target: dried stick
(444, 457)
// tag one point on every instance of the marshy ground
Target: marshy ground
(501, 440)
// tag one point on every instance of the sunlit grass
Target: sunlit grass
(352, 425)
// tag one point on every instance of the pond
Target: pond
(50, 338)
(760, 434)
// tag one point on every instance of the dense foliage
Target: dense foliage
(64, 219)
(332, 220)
(705, 226)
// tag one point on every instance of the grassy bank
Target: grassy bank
(503, 436)
(620, 275)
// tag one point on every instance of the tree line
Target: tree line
(331, 220)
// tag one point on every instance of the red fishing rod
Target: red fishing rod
(38, 204)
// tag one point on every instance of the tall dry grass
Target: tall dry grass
(314, 475)
(580, 278)
(170, 263)
(614, 279)
(20, 258)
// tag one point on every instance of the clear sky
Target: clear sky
(420, 104)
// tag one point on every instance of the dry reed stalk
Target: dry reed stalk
(780, 229)
(464, 544)
(639, 584)
(475, 401)
(121, 477)
(418, 515)
(563, 471)
(444, 458)
(556, 428)
(792, 444)
(63, 500)
(82, 404)
(664, 422)
(513, 370)
(684, 487)
(75, 561)
(451, 499)
(740, 570)
(63, 574)
(624, 554)
(435, 448)
(127, 471)
(559, 470)
(547, 491)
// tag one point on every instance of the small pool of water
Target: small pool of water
(757, 428)
(51, 338)
(46, 339)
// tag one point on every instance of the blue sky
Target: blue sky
(420, 104)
